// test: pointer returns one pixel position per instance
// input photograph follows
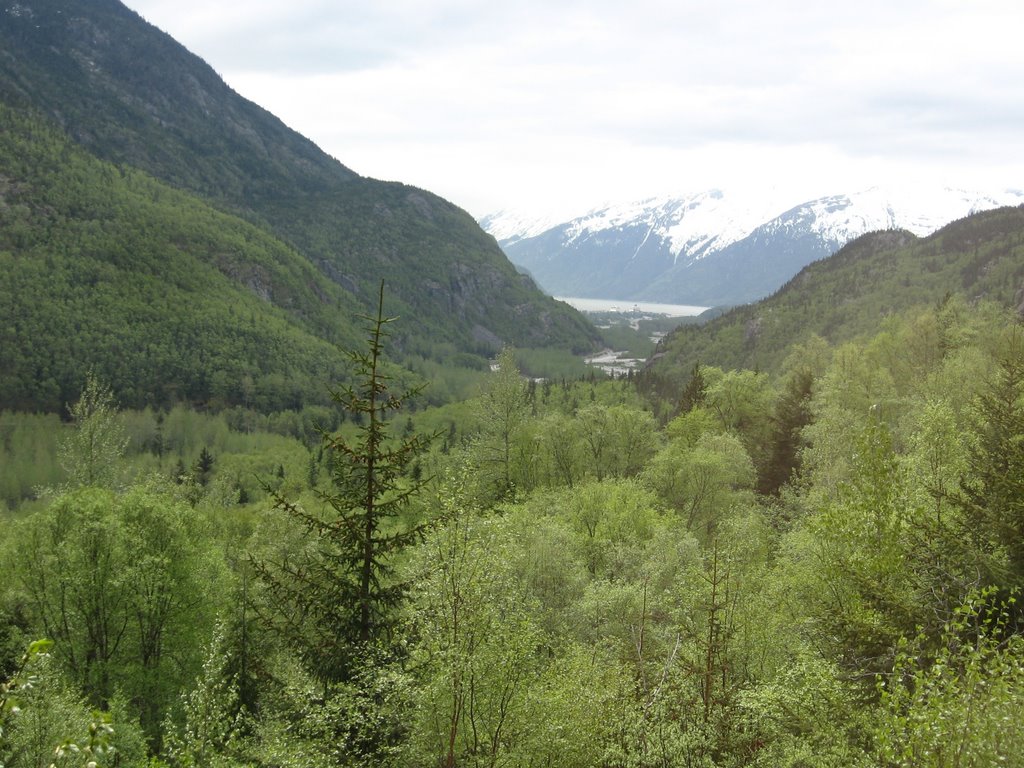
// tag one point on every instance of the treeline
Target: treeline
(814, 567)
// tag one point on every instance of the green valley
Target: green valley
(296, 470)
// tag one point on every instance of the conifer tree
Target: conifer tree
(339, 598)
(792, 414)
(695, 392)
(993, 498)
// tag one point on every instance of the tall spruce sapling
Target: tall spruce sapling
(339, 598)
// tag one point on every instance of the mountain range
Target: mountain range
(976, 260)
(716, 248)
(132, 176)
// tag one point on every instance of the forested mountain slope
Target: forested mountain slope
(980, 257)
(106, 268)
(131, 95)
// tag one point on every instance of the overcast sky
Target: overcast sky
(558, 105)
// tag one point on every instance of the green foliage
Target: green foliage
(28, 455)
(551, 364)
(792, 414)
(101, 260)
(961, 707)
(503, 408)
(703, 481)
(635, 602)
(47, 723)
(121, 584)
(91, 454)
(478, 642)
(993, 499)
(805, 715)
(319, 236)
(212, 715)
(100, 263)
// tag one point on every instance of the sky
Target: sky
(552, 107)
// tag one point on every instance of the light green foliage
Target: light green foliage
(617, 440)
(935, 461)
(121, 584)
(804, 715)
(856, 385)
(812, 354)
(13, 690)
(704, 483)
(961, 707)
(502, 410)
(28, 455)
(44, 722)
(667, 614)
(562, 449)
(211, 714)
(91, 453)
(574, 709)
(613, 521)
(942, 556)
(687, 428)
(864, 601)
(478, 654)
(739, 400)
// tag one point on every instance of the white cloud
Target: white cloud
(566, 103)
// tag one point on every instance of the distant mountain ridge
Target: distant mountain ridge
(715, 248)
(979, 258)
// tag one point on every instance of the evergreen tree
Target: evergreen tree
(792, 414)
(204, 466)
(993, 498)
(339, 598)
(695, 391)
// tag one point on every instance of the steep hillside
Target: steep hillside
(132, 95)
(168, 298)
(979, 257)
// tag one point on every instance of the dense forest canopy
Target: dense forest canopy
(814, 566)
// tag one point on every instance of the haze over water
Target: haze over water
(625, 305)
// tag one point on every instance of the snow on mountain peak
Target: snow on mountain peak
(696, 224)
(920, 210)
(508, 225)
(692, 227)
(717, 247)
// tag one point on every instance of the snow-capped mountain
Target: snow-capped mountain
(510, 227)
(716, 248)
